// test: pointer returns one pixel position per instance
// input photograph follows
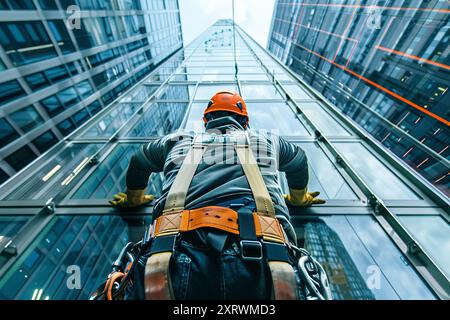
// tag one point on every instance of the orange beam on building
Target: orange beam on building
(345, 32)
(356, 44)
(404, 54)
(365, 6)
(300, 16)
(376, 85)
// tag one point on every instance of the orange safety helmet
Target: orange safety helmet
(226, 101)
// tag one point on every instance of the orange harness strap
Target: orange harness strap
(221, 218)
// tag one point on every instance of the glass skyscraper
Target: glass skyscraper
(63, 61)
(376, 236)
(385, 64)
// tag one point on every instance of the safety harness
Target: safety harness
(261, 235)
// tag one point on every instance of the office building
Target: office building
(63, 61)
(386, 65)
(376, 235)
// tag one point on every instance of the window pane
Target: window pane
(26, 42)
(90, 242)
(178, 92)
(433, 233)
(322, 119)
(81, 117)
(66, 127)
(142, 93)
(277, 117)
(56, 74)
(250, 70)
(37, 81)
(52, 106)
(160, 119)
(45, 141)
(111, 122)
(85, 89)
(94, 107)
(3, 176)
(296, 92)
(109, 178)
(384, 183)
(217, 77)
(26, 119)
(48, 4)
(194, 120)
(229, 70)
(260, 92)
(68, 97)
(17, 5)
(7, 133)
(205, 92)
(253, 77)
(21, 158)
(354, 249)
(61, 35)
(46, 180)
(323, 175)
(10, 225)
(9, 91)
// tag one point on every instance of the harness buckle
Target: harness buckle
(251, 250)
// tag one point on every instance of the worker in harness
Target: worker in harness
(221, 227)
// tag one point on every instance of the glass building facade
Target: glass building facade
(375, 242)
(385, 64)
(63, 61)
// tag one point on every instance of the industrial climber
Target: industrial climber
(221, 227)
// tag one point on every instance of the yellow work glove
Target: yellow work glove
(133, 198)
(302, 198)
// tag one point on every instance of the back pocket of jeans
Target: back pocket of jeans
(180, 275)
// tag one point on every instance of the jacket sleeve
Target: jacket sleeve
(293, 161)
(148, 159)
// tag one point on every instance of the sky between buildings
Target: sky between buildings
(254, 16)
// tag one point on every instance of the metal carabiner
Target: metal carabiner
(315, 277)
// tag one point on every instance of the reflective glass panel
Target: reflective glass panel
(296, 92)
(322, 119)
(177, 92)
(85, 245)
(205, 92)
(253, 77)
(109, 177)
(380, 179)
(194, 120)
(44, 183)
(277, 117)
(112, 121)
(323, 175)
(229, 69)
(185, 77)
(142, 93)
(160, 119)
(218, 77)
(27, 118)
(360, 260)
(244, 69)
(11, 225)
(433, 233)
(258, 91)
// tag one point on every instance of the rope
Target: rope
(234, 51)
